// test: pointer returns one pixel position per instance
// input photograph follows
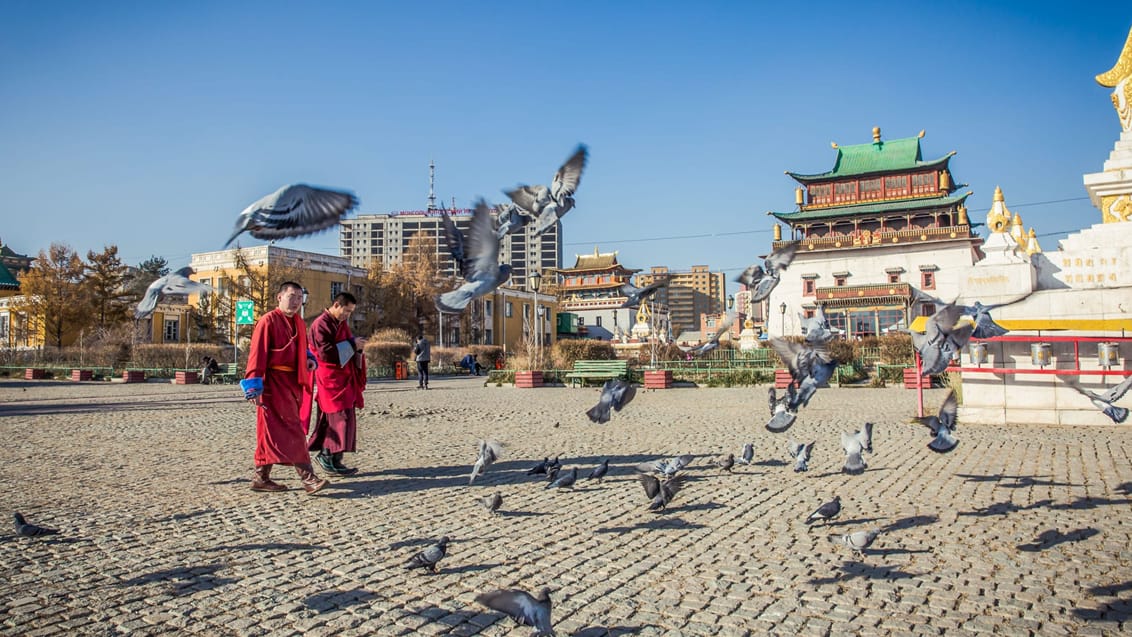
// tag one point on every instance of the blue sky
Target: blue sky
(150, 125)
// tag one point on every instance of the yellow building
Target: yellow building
(509, 313)
(254, 274)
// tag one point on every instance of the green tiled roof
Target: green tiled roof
(878, 157)
(855, 210)
(7, 281)
(8, 252)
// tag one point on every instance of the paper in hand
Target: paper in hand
(345, 352)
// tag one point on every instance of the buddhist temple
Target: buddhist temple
(880, 224)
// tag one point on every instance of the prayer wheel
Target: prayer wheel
(1108, 354)
(1041, 354)
(978, 353)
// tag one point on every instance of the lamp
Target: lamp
(536, 322)
(730, 302)
(782, 311)
(536, 281)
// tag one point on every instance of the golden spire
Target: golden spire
(876, 134)
(999, 217)
(1119, 78)
(833, 145)
(1016, 229)
(1032, 246)
(922, 131)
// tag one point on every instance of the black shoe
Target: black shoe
(325, 461)
(341, 469)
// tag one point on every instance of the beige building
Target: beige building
(689, 295)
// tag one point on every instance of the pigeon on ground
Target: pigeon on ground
(724, 327)
(489, 452)
(565, 481)
(860, 540)
(1104, 402)
(660, 492)
(985, 327)
(430, 557)
(599, 471)
(173, 283)
(548, 205)
(811, 366)
(492, 502)
(510, 218)
(726, 463)
(667, 467)
(539, 468)
(294, 211)
(523, 608)
(817, 329)
(552, 472)
(761, 281)
(782, 417)
(826, 512)
(554, 465)
(943, 425)
(854, 463)
(748, 455)
(24, 529)
(865, 437)
(615, 394)
(941, 339)
(634, 295)
(481, 269)
(800, 454)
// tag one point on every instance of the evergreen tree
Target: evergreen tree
(105, 280)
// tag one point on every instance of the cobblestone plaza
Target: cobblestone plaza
(1023, 530)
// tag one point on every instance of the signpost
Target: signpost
(245, 315)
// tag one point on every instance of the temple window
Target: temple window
(821, 194)
(845, 191)
(896, 186)
(808, 287)
(923, 183)
(839, 281)
(809, 314)
(871, 189)
(927, 309)
(894, 277)
(927, 280)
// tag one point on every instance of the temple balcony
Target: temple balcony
(871, 293)
(881, 238)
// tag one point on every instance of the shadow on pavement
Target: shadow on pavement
(193, 578)
(1053, 537)
(655, 524)
(1015, 481)
(853, 570)
(844, 522)
(1002, 508)
(612, 631)
(909, 522)
(1117, 611)
(334, 599)
(270, 546)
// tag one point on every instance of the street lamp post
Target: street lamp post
(535, 283)
(782, 311)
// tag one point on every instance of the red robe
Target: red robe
(340, 387)
(278, 356)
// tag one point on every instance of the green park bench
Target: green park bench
(229, 373)
(598, 370)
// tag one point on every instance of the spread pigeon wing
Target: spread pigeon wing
(948, 411)
(1116, 393)
(651, 485)
(298, 210)
(569, 175)
(455, 240)
(528, 198)
(781, 258)
(482, 248)
(519, 605)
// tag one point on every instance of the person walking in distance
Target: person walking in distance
(278, 381)
(341, 380)
(422, 352)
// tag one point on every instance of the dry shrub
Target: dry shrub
(386, 354)
(445, 356)
(565, 352)
(172, 355)
(487, 354)
(391, 335)
(896, 349)
(842, 351)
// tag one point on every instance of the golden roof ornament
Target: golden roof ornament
(1016, 229)
(777, 232)
(1119, 78)
(1032, 246)
(999, 217)
(876, 134)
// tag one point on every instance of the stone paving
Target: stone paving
(1022, 530)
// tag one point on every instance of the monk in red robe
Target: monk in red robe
(278, 379)
(340, 379)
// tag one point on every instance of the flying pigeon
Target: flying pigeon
(479, 256)
(634, 295)
(24, 529)
(800, 454)
(985, 327)
(666, 467)
(548, 205)
(489, 452)
(943, 425)
(294, 211)
(492, 502)
(817, 328)
(748, 454)
(565, 481)
(726, 463)
(455, 241)
(860, 540)
(539, 468)
(599, 471)
(865, 437)
(173, 283)
(941, 340)
(826, 511)
(523, 608)
(761, 281)
(782, 417)
(430, 557)
(510, 219)
(854, 463)
(660, 492)
(615, 394)
(811, 366)
(1104, 402)
(724, 327)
